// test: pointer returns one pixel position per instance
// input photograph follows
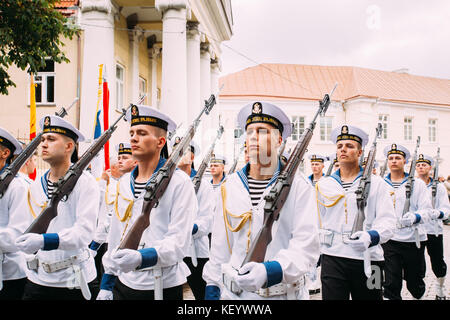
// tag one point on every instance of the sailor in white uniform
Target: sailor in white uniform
(217, 167)
(239, 217)
(317, 165)
(198, 252)
(156, 269)
(14, 219)
(342, 267)
(124, 163)
(434, 228)
(61, 260)
(404, 260)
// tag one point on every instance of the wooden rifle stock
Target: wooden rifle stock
(280, 190)
(159, 182)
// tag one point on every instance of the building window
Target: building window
(383, 119)
(432, 128)
(407, 128)
(120, 72)
(298, 126)
(45, 83)
(142, 87)
(325, 128)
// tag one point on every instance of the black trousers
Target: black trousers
(344, 277)
(435, 249)
(12, 289)
(403, 260)
(122, 292)
(195, 279)
(35, 291)
(100, 270)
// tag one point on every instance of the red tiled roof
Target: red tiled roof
(308, 82)
(62, 6)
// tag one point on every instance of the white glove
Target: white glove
(105, 295)
(93, 253)
(359, 241)
(435, 214)
(30, 242)
(254, 279)
(408, 219)
(127, 260)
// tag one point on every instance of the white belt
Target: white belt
(59, 265)
(327, 236)
(74, 262)
(275, 290)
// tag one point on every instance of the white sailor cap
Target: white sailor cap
(395, 148)
(55, 124)
(346, 132)
(123, 148)
(141, 114)
(264, 112)
(8, 141)
(425, 158)
(317, 158)
(218, 158)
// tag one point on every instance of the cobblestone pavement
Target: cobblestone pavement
(430, 279)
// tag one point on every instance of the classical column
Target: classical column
(193, 69)
(174, 69)
(97, 22)
(135, 36)
(215, 67)
(153, 53)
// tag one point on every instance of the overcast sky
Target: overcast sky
(380, 34)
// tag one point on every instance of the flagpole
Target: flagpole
(32, 117)
(106, 116)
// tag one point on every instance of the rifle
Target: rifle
(201, 169)
(159, 182)
(236, 159)
(330, 167)
(383, 168)
(10, 172)
(280, 190)
(66, 184)
(361, 160)
(435, 179)
(362, 193)
(409, 190)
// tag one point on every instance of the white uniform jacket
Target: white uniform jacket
(14, 220)
(206, 199)
(74, 224)
(420, 203)
(169, 233)
(442, 204)
(295, 241)
(337, 210)
(107, 198)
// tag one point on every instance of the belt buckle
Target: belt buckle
(46, 266)
(263, 292)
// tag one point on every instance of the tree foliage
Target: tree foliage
(30, 31)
